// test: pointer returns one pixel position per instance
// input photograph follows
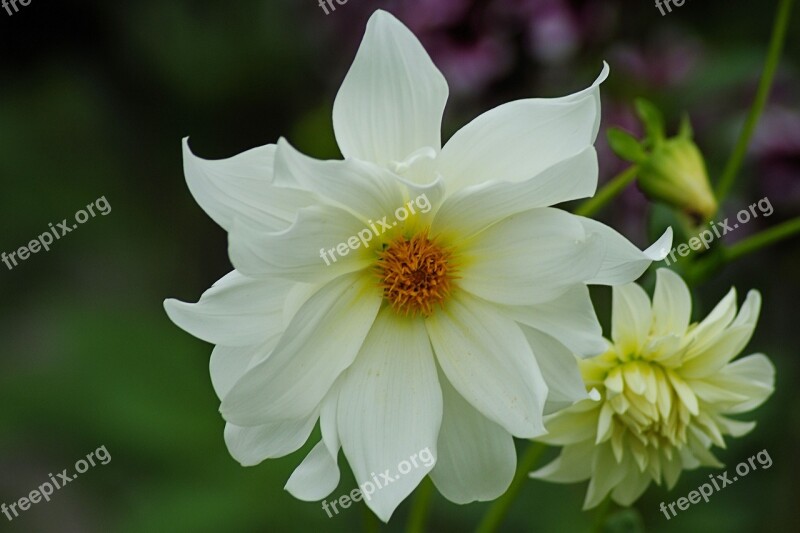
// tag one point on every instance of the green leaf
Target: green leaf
(685, 130)
(653, 120)
(625, 145)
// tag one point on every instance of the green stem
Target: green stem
(706, 267)
(762, 93)
(607, 192)
(420, 507)
(497, 512)
(601, 514)
(763, 239)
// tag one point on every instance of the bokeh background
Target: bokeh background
(94, 100)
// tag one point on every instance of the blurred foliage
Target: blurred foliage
(94, 100)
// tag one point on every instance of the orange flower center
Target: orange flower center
(416, 274)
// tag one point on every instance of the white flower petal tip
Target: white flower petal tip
(623, 262)
(316, 477)
(659, 249)
(235, 311)
(240, 186)
(392, 99)
(604, 72)
(252, 445)
(594, 395)
(476, 457)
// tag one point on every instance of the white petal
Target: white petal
(316, 477)
(570, 318)
(235, 311)
(390, 411)
(631, 487)
(702, 335)
(623, 262)
(529, 258)
(684, 391)
(753, 376)
(559, 368)
(477, 457)
(672, 304)
(368, 191)
(727, 344)
(572, 425)
(392, 99)
(474, 208)
(606, 474)
(713, 394)
(700, 448)
(487, 359)
(241, 186)
(307, 251)
(631, 318)
(328, 425)
(672, 469)
(518, 140)
(572, 465)
(320, 342)
(734, 428)
(229, 363)
(251, 445)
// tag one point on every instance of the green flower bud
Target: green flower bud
(675, 173)
(671, 171)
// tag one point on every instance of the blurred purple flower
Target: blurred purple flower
(667, 60)
(476, 43)
(470, 65)
(550, 27)
(776, 148)
(430, 15)
(620, 115)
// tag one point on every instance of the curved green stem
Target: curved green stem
(762, 93)
(607, 192)
(704, 268)
(762, 239)
(420, 507)
(497, 512)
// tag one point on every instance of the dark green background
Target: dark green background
(94, 100)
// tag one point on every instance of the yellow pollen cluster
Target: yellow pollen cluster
(415, 273)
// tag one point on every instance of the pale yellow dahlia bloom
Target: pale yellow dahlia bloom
(665, 388)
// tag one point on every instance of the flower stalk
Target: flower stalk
(762, 93)
(607, 192)
(420, 508)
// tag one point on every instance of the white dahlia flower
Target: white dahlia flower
(666, 388)
(411, 296)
